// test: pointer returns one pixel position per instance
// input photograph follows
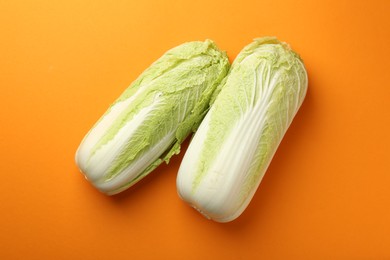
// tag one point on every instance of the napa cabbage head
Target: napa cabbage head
(147, 123)
(236, 141)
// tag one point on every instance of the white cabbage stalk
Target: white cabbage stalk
(234, 144)
(149, 121)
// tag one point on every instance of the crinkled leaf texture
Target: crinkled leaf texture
(237, 139)
(147, 123)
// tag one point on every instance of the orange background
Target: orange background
(326, 194)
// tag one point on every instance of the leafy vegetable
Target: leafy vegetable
(149, 121)
(237, 139)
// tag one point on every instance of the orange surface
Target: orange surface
(326, 194)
